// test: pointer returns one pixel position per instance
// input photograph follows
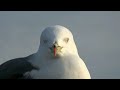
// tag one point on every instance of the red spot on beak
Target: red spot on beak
(54, 51)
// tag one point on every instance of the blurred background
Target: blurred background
(96, 33)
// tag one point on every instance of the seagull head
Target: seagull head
(57, 41)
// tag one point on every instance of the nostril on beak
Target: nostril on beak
(54, 46)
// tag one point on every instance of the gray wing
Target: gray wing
(15, 68)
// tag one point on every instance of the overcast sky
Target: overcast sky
(97, 35)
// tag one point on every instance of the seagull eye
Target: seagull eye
(66, 40)
(45, 41)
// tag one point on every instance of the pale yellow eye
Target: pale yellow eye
(66, 40)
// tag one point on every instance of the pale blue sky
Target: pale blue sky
(96, 33)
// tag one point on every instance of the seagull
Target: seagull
(56, 58)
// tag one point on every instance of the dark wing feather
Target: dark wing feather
(15, 68)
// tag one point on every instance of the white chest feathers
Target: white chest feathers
(64, 68)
